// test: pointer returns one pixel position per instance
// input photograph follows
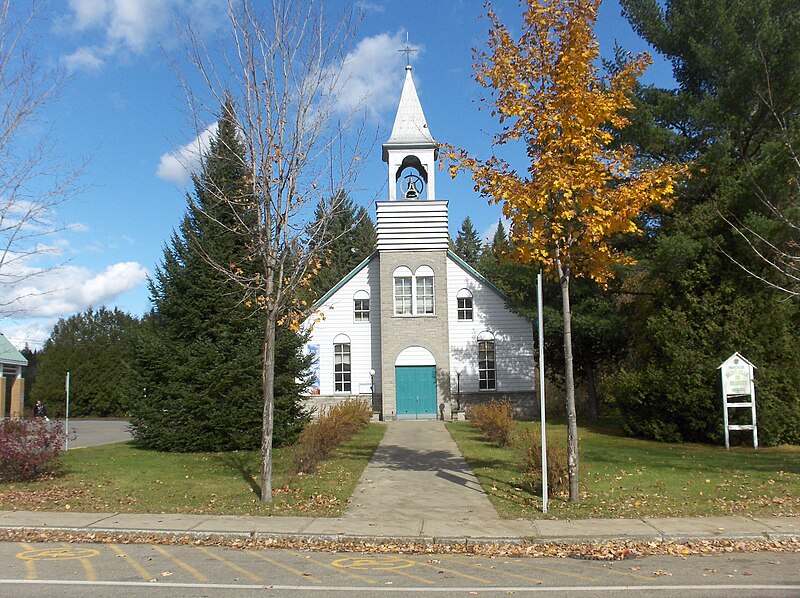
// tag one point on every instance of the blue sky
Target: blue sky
(122, 110)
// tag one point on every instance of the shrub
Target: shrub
(529, 443)
(336, 425)
(30, 449)
(494, 419)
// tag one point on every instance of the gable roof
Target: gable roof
(8, 354)
(477, 275)
(343, 281)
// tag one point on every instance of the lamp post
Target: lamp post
(372, 388)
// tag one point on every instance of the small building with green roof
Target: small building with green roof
(12, 384)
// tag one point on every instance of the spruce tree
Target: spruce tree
(199, 356)
(468, 244)
(348, 239)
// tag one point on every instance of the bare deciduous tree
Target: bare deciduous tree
(282, 70)
(32, 182)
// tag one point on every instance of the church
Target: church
(414, 328)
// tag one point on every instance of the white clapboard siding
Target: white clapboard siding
(513, 335)
(335, 316)
(412, 225)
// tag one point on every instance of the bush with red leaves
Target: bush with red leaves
(30, 449)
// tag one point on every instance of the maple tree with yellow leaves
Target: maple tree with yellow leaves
(580, 191)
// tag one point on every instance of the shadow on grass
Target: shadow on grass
(243, 464)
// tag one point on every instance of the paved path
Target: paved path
(418, 479)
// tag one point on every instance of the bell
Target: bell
(411, 191)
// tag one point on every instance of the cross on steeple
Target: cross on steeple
(408, 50)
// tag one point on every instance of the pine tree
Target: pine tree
(348, 239)
(468, 244)
(199, 356)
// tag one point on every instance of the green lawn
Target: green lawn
(121, 478)
(625, 477)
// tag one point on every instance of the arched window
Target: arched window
(487, 373)
(403, 294)
(425, 295)
(464, 300)
(342, 368)
(361, 306)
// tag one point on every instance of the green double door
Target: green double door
(416, 391)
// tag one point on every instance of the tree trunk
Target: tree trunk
(268, 394)
(569, 381)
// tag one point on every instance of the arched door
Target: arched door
(415, 383)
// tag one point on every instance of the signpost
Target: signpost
(738, 391)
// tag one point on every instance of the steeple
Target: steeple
(411, 151)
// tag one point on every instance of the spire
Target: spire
(410, 126)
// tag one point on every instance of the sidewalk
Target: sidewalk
(416, 489)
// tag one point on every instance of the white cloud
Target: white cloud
(179, 165)
(70, 289)
(131, 26)
(372, 75)
(83, 59)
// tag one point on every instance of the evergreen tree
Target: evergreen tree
(199, 356)
(468, 244)
(93, 346)
(348, 239)
(737, 66)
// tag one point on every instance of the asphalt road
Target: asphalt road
(94, 432)
(137, 570)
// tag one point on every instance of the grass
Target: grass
(123, 478)
(626, 477)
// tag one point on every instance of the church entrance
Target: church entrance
(416, 392)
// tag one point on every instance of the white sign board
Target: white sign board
(738, 392)
(737, 376)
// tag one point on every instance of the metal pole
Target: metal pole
(541, 390)
(66, 424)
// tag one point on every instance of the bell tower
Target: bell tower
(411, 151)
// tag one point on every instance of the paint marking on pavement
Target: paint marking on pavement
(285, 567)
(412, 576)
(230, 565)
(30, 566)
(454, 572)
(57, 554)
(508, 573)
(373, 563)
(183, 565)
(634, 589)
(347, 572)
(143, 573)
(568, 574)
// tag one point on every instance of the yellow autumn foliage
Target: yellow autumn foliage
(579, 190)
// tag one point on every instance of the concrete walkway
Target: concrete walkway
(416, 489)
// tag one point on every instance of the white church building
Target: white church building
(413, 327)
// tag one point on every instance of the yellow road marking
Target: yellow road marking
(143, 573)
(412, 576)
(57, 554)
(285, 567)
(634, 575)
(30, 566)
(231, 565)
(465, 575)
(568, 574)
(375, 563)
(90, 574)
(185, 566)
(337, 569)
(510, 574)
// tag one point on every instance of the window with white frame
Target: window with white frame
(425, 296)
(414, 294)
(487, 373)
(403, 291)
(361, 306)
(464, 301)
(342, 368)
